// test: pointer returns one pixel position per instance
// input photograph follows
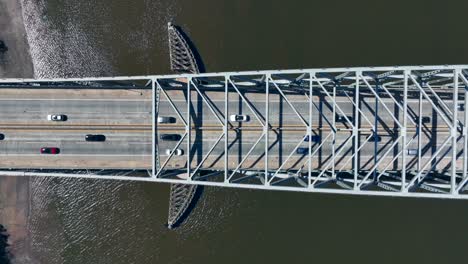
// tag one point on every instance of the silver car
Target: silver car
(56, 117)
(239, 118)
(177, 152)
(166, 119)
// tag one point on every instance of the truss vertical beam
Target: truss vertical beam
(309, 132)
(225, 128)
(462, 184)
(404, 132)
(376, 126)
(420, 106)
(356, 132)
(267, 124)
(153, 128)
(465, 129)
(334, 132)
(189, 127)
(454, 132)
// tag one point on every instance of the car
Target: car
(375, 138)
(412, 152)
(91, 137)
(3, 47)
(342, 119)
(314, 138)
(177, 152)
(57, 117)
(170, 137)
(166, 119)
(2, 136)
(425, 119)
(302, 151)
(239, 118)
(50, 150)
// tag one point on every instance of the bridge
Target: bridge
(388, 131)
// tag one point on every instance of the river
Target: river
(92, 221)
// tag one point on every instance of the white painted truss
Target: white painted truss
(388, 131)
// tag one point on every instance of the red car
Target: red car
(50, 150)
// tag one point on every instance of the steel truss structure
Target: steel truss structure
(419, 110)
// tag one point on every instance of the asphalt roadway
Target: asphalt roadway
(124, 117)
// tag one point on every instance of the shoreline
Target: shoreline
(15, 197)
(16, 61)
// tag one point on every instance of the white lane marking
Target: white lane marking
(67, 142)
(75, 155)
(276, 101)
(256, 156)
(77, 99)
(81, 112)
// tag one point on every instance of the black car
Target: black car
(342, 119)
(302, 151)
(170, 137)
(314, 138)
(425, 119)
(375, 138)
(3, 47)
(95, 138)
(2, 137)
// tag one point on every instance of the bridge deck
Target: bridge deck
(419, 151)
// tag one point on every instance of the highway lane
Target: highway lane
(72, 143)
(281, 146)
(281, 113)
(123, 116)
(78, 111)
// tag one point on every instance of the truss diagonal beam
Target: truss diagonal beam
(380, 100)
(420, 88)
(171, 103)
(207, 103)
(171, 155)
(378, 162)
(334, 103)
(289, 103)
(246, 156)
(208, 154)
(251, 107)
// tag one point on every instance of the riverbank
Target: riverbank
(16, 61)
(14, 191)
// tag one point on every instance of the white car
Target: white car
(56, 117)
(177, 152)
(166, 119)
(239, 118)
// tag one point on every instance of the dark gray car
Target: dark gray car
(170, 137)
(95, 137)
